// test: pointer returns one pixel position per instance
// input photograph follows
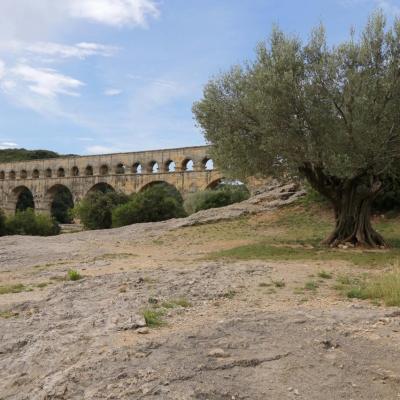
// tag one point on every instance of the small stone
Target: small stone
(133, 322)
(296, 392)
(290, 389)
(218, 353)
(143, 331)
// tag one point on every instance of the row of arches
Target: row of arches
(120, 169)
(60, 199)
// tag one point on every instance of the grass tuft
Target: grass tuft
(325, 275)
(8, 314)
(385, 288)
(153, 317)
(179, 302)
(279, 284)
(311, 285)
(73, 275)
(16, 288)
(230, 294)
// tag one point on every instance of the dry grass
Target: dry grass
(384, 287)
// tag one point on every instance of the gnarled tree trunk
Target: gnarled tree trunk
(353, 217)
(352, 201)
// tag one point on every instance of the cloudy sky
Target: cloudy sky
(95, 76)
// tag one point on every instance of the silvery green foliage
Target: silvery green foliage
(310, 105)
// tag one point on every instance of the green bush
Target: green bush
(158, 203)
(220, 197)
(73, 275)
(28, 223)
(95, 210)
(61, 206)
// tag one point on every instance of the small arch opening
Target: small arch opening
(154, 167)
(187, 165)
(208, 164)
(170, 166)
(2, 175)
(60, 172)
(75, 171)
(23, 174)
(104, 170)
(136, 168)
(12, 175)
(120, 169)
(24, 198)
(48, 173)
(89, 170)
(35, 173)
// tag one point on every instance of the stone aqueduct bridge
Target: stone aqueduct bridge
(187, 168)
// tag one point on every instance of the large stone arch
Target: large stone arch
(59, 200)
(101, 187)
(172, 187)
(21, 199)
(213, 184)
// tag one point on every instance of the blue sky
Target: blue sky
(99, 76)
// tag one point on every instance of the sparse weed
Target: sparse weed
(8, 314)
(230, 294)
(16, 288)
(384, 287)
(179, 302)
(153, 317)
(42, 284)
(279, 284)
(325, 275)
(311, 285)
(73, 275)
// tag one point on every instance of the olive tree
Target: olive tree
(329, 114)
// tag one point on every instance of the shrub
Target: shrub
(28, 223)
(220, 197)
(95, 210)
(154, 204)
(2, 223)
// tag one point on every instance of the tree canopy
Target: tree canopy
(10, 155)
(330, 114)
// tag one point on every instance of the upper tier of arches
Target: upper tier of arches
(188, 164)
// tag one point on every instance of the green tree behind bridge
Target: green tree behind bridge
(328, 114)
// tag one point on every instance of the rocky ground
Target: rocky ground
(239, 334)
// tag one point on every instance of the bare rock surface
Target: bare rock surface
(232, 339)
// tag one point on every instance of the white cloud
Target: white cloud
(79, 50)
(46, 82)
(8, 145)
(115, 12)
(112, 92)
(59, 51)
(37, 20)
(2, 69)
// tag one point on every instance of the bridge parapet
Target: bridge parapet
(189, 169)
(166, 160)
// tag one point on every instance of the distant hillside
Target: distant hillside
(10, 155)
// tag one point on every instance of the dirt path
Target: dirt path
(246, 335)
